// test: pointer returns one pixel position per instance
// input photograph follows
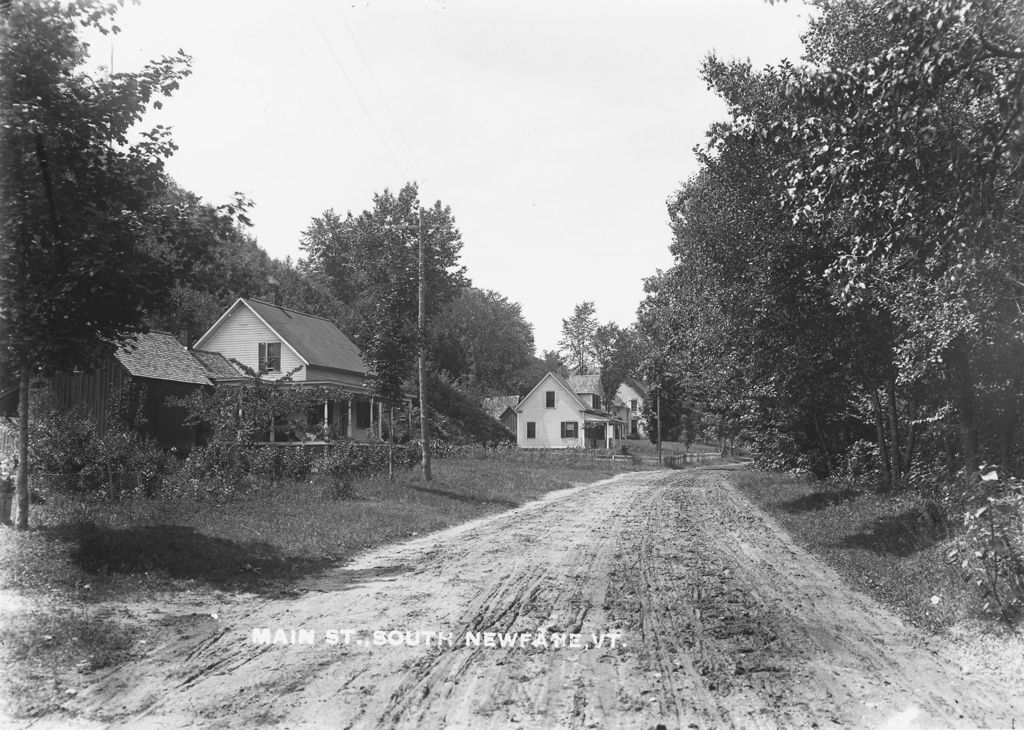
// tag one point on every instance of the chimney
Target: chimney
(185, 335)
(275, 290)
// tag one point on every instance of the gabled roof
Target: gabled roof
(495, 406)
(585, 384)
(316, 341)
(565, 386)
(635, 385)
(158, 355)
(217, 366)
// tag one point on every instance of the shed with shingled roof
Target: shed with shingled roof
(149, 370)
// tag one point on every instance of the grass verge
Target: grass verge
(887, 546)
(893, 549)
(78, 590)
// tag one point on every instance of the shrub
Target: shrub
(991, 551)
(62, 442)
(121, 461)
(334, 474)
(859, 464)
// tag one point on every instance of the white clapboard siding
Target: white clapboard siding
(548, 420)
(238, 338)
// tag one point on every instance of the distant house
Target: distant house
(560, 413)
(634, 395)
(274, 341)
(154, 367)
(502, 408)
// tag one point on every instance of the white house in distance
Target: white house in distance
(274, 340)
(556, 415)
(633, 395)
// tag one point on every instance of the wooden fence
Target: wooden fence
(678, 461)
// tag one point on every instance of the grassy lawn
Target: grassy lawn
(74, 590)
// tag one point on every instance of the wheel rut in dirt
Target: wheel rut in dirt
(723, 622)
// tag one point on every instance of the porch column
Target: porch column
(370, 432)
(349, 428)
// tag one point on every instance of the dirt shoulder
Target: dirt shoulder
(720, 620)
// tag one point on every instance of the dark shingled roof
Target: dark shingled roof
(565, 384)
(498, 404)
(159, 356)
(217, 366)
(317, 340)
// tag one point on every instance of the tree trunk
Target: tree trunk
(950, 445)
(1009, 431)
(422, 360)
(963, 388)
(911, 441)
(822, 444)
(894, 432)
(21, 490)
(883, 450)
(391, 444)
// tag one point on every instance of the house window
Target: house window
(570, 430)
(549, 399)
(597, 402)
(531, 430)
(362, 414)
(270, 357)
(632, 405)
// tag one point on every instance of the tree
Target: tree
(372, 259)
(615, 356)
(482, 339)
(577, 343)
(75, 280)
(207, 256)
(910, 161)
(328, 243)
(848, 263)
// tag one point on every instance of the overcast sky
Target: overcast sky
(555, 131)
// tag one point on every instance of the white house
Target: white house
(274, 340)
(633, 395)
(554, 415)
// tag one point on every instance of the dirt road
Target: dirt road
(720, 621)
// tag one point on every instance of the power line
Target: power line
(359, 98)
(327, 91)
(380, 92)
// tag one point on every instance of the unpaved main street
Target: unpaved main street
(723, 622)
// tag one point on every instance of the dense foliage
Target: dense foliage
(847, 287)
(75, 277)
(848, 263)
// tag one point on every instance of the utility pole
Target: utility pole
(422, 363)
(659, 428)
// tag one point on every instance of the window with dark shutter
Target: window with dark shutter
(570, 429)
(597, 402)
(549, 399)
(531, 430)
